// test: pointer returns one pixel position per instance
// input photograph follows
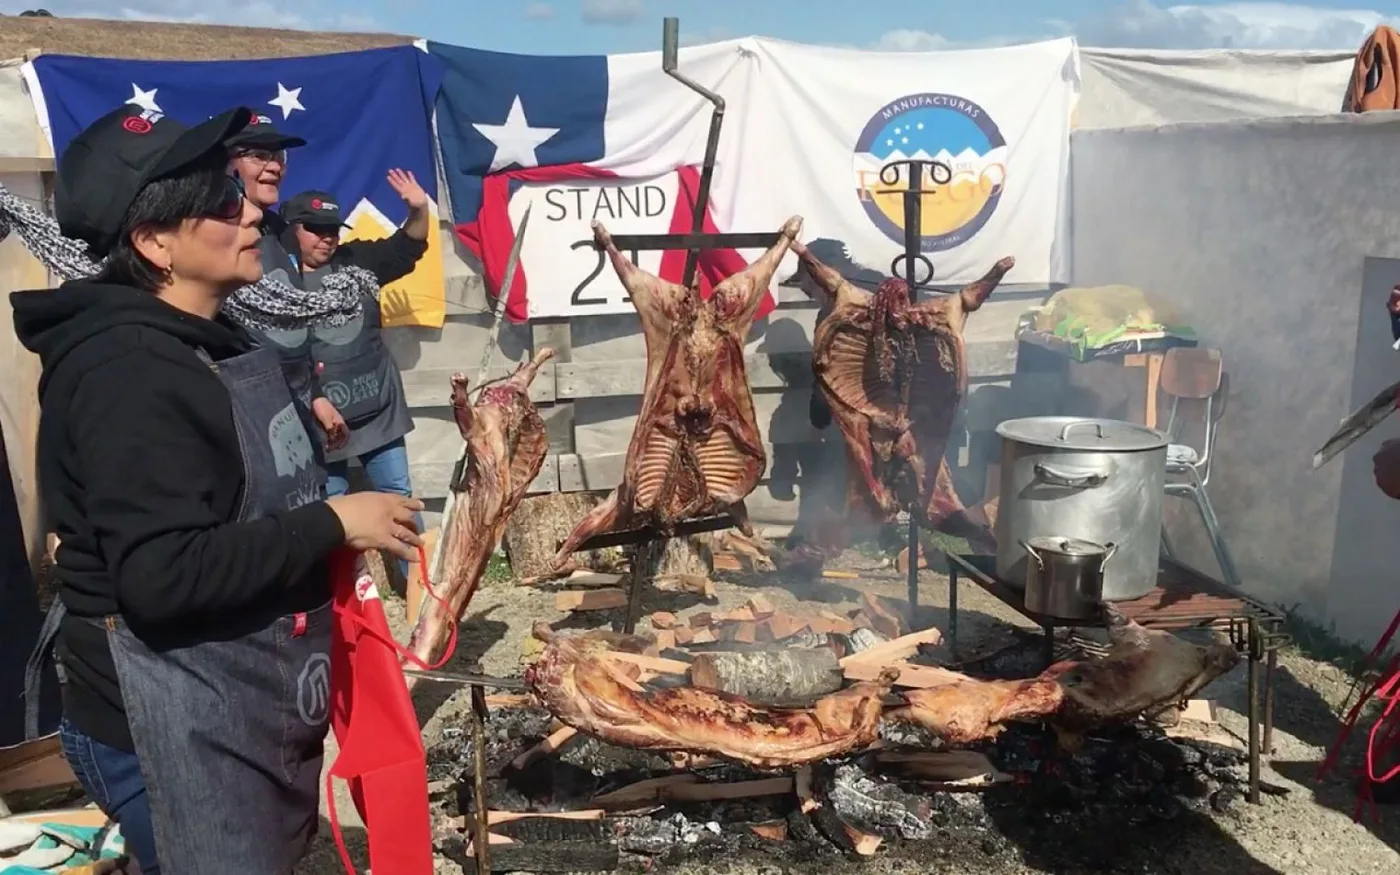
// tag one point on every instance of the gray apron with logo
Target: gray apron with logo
(359, 377)
(229, 733)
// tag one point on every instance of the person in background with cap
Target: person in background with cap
(355, 369)
(258, 154)
(193, 618)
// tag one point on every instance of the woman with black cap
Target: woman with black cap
(188, 494)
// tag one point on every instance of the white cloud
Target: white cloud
(706, 35)
(261, 13)
(539, 11)
(611, 11)
(1145, 24)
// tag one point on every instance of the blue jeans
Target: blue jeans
(387, 470)
(112, 779)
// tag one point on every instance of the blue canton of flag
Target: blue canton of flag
(361, 114)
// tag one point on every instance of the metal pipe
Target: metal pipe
(670, 61)
(913, 574)
(481, 838)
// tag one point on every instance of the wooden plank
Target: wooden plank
(628, 376)
(432, 387)
(606, 379)
(559, 415)
(430, 479)
(590, 599)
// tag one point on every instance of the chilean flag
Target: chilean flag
(504, 120)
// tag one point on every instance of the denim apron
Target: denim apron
(229, 732)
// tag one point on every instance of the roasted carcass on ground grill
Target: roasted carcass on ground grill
(1145, 670)
(893, 374)
(583, 687)
(696, 449)
(506, 446)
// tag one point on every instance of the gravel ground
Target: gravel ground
(1304, 828)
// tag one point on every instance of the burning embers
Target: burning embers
(594, 806)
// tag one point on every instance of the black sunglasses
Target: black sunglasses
(230, 205)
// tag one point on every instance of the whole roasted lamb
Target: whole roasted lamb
(893, 373)
(506, 446)
(696, 449)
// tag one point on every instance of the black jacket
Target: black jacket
(140, 474)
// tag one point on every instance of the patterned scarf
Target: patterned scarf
(262, 306)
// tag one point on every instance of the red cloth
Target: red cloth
(381, 748)
(1384, 737)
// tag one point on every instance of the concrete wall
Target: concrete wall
(1260, 232)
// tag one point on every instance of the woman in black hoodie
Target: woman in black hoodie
(182, 480)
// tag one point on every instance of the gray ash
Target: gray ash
(1123, 795)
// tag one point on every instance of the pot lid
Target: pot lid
(1067, 546)
(1080, 433)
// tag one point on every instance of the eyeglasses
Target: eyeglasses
(263, 156)
(230, 205)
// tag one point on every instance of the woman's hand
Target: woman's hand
(331, 422)
(379, 521)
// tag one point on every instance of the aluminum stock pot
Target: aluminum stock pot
(1097, 480)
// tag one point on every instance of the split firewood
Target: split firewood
(693, 584)
(665, 640)
(726, 562)
(769, 675)
(703, 636)
(495, 818)
(884, 619)
(802, 786)
(897, 650)
(914, 677)
(688, 788)
(590, 600)
(551, 745)
(551, 844)
(840, 575)
(650, 663)
(760, 607)
(901, 562)
(591, 580)
(664, 620)
(773, 830)
(743, 632)
(781, 626)
(943, 769)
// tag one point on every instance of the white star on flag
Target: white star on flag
(144, 99)
(515, 140)
(288, 100)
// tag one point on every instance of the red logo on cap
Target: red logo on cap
(315, 203)
(136, 125)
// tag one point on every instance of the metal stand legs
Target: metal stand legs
(1196, 491)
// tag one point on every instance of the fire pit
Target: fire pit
(597, 807)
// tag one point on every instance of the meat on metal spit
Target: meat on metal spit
(893, 374)
(506, 446)
(583, 687)
(695, 450)
(1145, 670)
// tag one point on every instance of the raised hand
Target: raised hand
(405, 184)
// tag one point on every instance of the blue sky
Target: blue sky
(605, 26)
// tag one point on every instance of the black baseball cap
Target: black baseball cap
(312, 208)
(105, 167)
(260, 134)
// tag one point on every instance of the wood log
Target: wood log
(688, 788)
(910, 676)
(550, 844)
(590, 599)
(592, 580)
(769, 675)
(943, 769)
(883, 618)
(556, 740)
(897, 650)
(534, 531)
(688, 555)
(773, 830)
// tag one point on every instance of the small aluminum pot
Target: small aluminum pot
(1064, 577)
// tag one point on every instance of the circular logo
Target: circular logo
(134, 124)
(943, 128)
(337, 393)
(315, 203)
(314, 690)
(365, 588)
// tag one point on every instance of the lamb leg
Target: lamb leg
(600, 519)
(739, 295)
(828, 279)
(525, 374)
(646, 291)
(461, 407)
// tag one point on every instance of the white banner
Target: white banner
(567, 275)
(824, 122)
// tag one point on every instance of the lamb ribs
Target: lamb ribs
(696, 449)
(506, 446)
(893, 374)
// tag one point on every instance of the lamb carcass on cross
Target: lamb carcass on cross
(1145, 671)
(577, 682)
(893, 374)
(696, 449)
(506, 446)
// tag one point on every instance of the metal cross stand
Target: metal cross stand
(650, 540)
(910, 261)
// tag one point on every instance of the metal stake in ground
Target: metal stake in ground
(450, 503)
(906, 266)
